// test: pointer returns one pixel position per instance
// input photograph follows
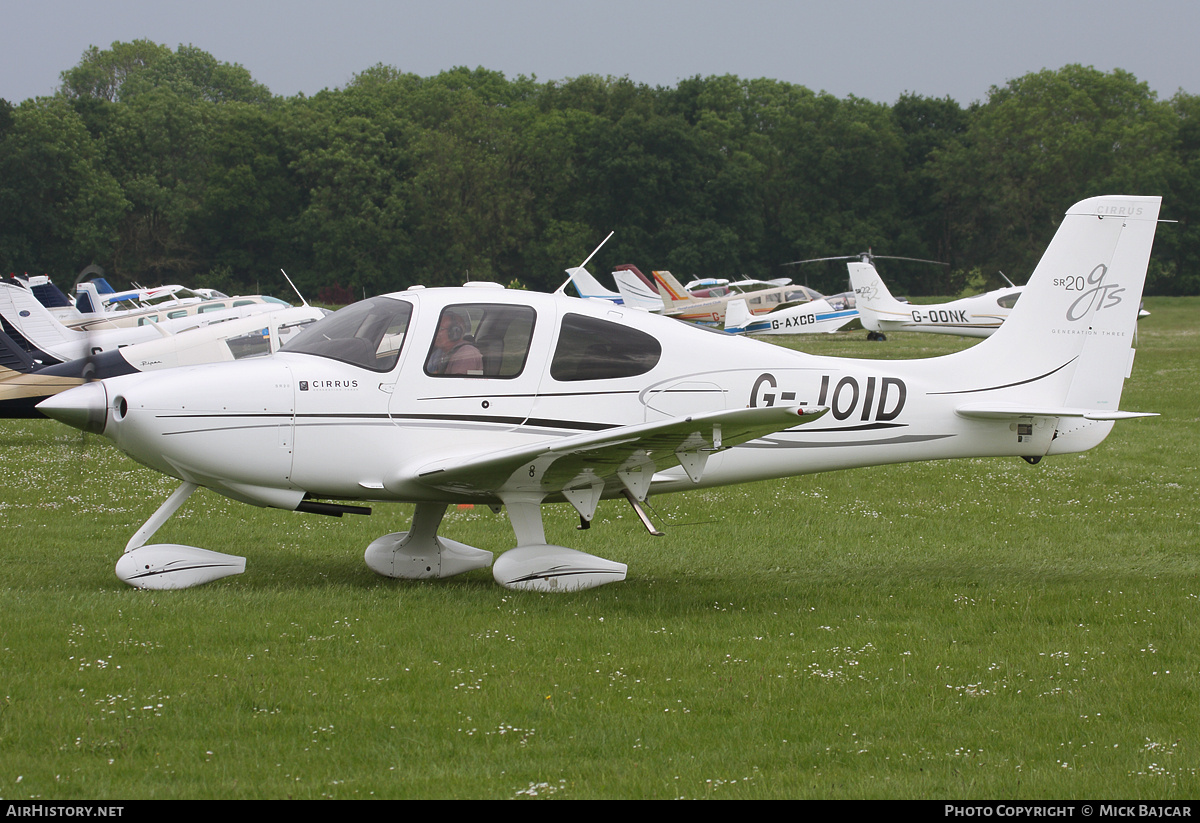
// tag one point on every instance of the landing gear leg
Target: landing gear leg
(420, 553)
(535, 565)
(171, 565)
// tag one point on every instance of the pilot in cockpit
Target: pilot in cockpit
(454, 350)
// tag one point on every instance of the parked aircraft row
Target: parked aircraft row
(792, 309)
(97, 306)
(756, 307)
(40, 357)
(514, 399)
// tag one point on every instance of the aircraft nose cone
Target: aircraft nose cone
(84, 407)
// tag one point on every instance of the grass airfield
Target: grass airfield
(970, 629)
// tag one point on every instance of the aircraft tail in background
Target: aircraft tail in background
(637, 289)
(589, 287)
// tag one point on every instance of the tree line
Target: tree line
(164, 165)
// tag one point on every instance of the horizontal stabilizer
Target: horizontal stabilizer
(1004, 411)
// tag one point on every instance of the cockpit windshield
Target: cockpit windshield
(367, 334)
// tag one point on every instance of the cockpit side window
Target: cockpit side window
(593, 349)
(481, 340)
(367, 334)
(251, 344)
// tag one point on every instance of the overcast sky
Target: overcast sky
(877, 49)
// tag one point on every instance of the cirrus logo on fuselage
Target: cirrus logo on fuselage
(328, 385)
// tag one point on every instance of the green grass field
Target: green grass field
(972, 629)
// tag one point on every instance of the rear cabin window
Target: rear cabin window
(1007, 301)
(481, 340)
(593, 349)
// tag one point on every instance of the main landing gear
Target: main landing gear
(534, 565)
(417, 554)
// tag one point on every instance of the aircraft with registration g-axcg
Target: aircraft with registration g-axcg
(513, 399)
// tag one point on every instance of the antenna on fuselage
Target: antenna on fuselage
(588, 260)
(293, 285)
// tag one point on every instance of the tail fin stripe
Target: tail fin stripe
(1009, 385)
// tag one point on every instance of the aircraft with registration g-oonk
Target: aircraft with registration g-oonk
(977, 316)
(580, 401)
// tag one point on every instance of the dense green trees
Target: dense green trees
(1043, 141)
(59, 204)
(171, 165)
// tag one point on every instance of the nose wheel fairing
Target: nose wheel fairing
(172, 565)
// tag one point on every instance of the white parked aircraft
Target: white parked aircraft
(814, 317)
(515, 399)
(204, 341)
(25, 318)
(976, 316)
(97, 306)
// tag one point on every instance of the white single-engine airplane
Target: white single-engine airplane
(814, 317)
(976, 316)
(515, 399)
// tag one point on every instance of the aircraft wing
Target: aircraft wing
(631, 454)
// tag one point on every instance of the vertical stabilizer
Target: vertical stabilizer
(24, 314)
(1082, 300)
(634, 290)
(872, 298)
(672, 291)
(1067, 347)
(737, 317)
(589, 287)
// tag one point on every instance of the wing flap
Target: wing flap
(630, 454)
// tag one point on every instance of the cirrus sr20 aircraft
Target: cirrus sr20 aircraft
(514, 399)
